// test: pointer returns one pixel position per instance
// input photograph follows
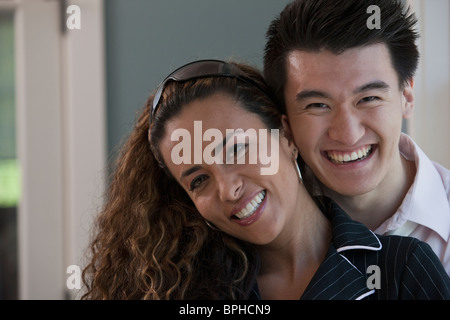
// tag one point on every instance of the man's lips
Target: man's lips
(349, 156)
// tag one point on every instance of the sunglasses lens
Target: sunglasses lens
(197, 69)
(200, 69)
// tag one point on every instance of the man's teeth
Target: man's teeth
(351, 156)
(251, 207)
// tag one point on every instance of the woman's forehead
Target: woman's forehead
(219, 111)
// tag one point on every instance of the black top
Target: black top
(362, 265)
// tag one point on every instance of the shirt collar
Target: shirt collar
(337, 278)
(346, 281)
(426, 202)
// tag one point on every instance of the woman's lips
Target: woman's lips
(251, 210)
(251, 206)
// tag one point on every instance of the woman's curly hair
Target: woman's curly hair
(150, 242)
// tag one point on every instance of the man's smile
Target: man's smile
(349, 156)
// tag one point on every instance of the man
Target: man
(345, 87)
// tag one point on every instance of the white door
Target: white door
(59, 103)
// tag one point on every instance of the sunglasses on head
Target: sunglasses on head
(201, 69)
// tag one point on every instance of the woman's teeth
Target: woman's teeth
(357, 155)
(251, 207)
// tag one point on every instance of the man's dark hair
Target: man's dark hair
(314, 25)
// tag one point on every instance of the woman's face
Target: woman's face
(225, 170)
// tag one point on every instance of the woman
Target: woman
(190, 215)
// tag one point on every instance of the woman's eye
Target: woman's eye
(197, 181)
(236, 151)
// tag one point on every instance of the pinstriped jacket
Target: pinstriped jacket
(405, 268)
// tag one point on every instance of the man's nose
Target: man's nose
(346, 126)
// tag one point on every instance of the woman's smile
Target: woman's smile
(251, 210)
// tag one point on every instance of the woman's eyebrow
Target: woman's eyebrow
(218, 148)
(190, 171)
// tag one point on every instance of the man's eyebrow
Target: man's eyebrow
(306, 94)
(375, 85)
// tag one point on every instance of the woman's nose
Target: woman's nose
(229, 186)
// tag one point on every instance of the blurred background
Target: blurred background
(72, 81)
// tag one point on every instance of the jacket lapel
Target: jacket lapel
(336, 279)
(349, 234)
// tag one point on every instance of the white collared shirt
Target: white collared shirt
(425, 212)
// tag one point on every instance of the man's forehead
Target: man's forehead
(314, 71)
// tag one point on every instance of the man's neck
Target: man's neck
(378, 205)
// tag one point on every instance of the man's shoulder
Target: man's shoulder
(444, 173)
(394, 255)
(400, 246)
(412, 151)
(400, 253)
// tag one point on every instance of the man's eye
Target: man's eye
(197, 181)
(316, 105)
(369, 99)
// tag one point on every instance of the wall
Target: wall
(430, 123)
(146, 40)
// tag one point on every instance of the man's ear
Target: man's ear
(288, 133)
(286, 127)
(408, 99)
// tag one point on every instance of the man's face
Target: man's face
(345, 112)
